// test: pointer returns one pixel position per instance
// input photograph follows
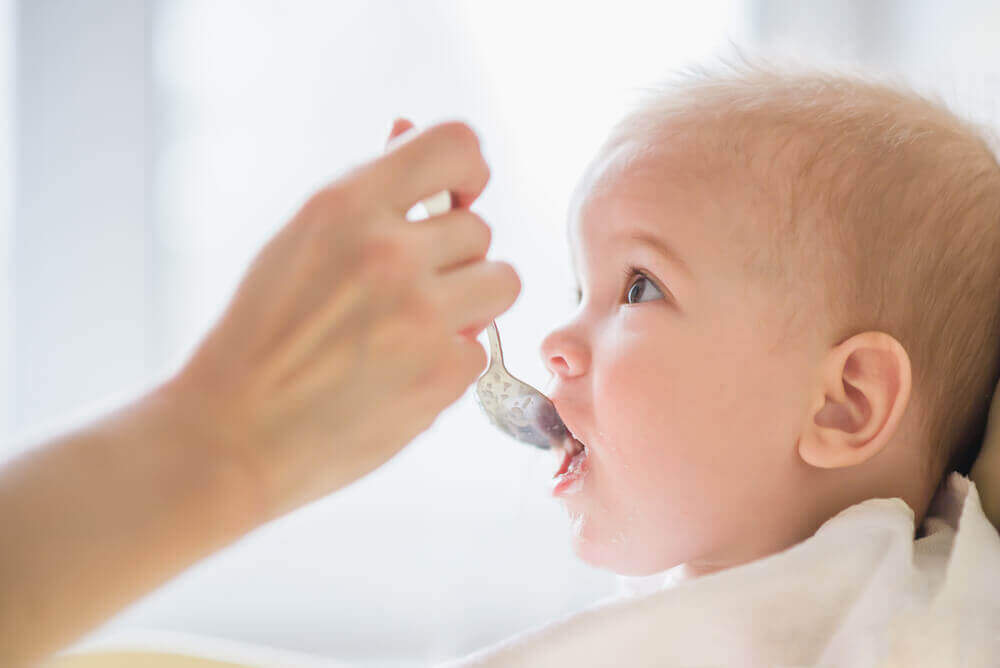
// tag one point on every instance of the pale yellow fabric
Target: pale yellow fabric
(139, 648)
(136, 659)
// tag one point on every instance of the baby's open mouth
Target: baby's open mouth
(572, 466)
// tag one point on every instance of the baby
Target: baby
(788, 305)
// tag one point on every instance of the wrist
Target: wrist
(200, 428)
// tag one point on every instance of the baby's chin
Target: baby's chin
(619, 553)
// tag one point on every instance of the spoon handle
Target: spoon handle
(438, 204)
(496, 353)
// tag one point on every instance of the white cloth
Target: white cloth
(859, 592)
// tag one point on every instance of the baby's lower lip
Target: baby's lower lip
(568, 478)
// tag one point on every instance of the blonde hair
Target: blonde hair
(884, 198)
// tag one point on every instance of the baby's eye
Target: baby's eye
(640, 288)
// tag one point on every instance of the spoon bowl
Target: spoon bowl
(514, 406)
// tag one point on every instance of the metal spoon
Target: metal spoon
(511, 404)
(514, 406)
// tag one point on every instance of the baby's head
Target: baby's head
(789, 304)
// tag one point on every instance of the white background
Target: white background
(153, 146)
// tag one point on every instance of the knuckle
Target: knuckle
(314, 211)
(510, 278)
(387, 255)
(483, 232)
(484, 173)
(331, 200)
(460, 136)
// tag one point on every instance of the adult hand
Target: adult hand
(354, 327)
(986, 470)
(350, 332)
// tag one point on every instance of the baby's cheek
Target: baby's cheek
(647, 428)
(666, 437)
(651, 403)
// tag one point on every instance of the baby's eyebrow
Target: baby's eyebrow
(663, 249)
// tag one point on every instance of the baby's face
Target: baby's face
(673, 374)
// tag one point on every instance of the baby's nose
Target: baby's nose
(564, 354)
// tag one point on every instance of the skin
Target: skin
(714, 439)
(351, 331)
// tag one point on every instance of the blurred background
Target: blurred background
(150, 147)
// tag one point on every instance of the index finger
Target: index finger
(442, 157)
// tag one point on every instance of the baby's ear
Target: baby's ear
(860, 399)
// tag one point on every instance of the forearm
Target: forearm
(95, 519)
